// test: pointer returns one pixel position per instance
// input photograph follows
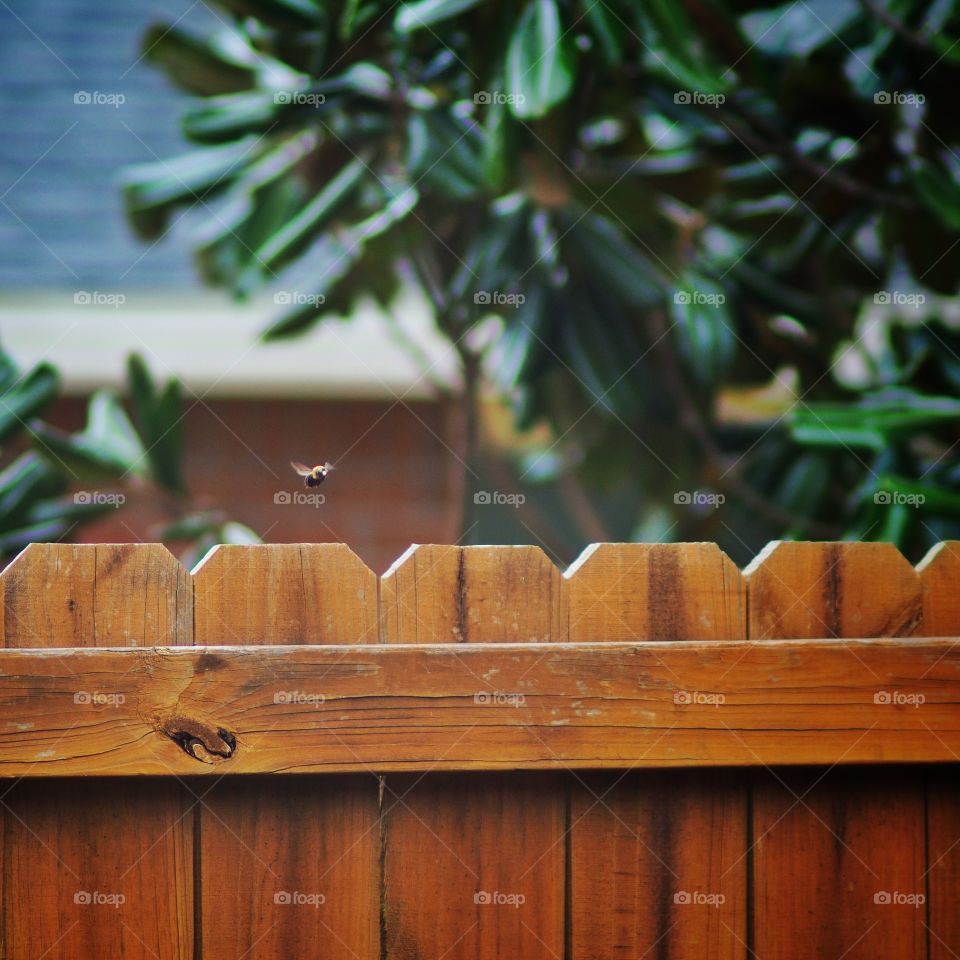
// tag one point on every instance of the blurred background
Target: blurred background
(550, 272)
(350, 394)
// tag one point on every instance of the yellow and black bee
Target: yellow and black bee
(312, 476)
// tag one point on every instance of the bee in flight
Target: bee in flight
(312, 476)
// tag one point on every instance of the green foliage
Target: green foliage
(22, 397)
(32, 502)
(413, 16)
(539, 64)
(45, 486)
(159, 415)
(669, 206)
(107, 449)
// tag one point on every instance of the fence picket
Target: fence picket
(940, 576)
(72, 848)
(460, 852)
(645, 878)
(833, 844)
(272, 847)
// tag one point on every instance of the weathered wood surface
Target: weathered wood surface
(939, 575)
(327, 672)
(827, 843)
(286, 864)
(478, 706)
(98, 869)
(656, 857)
(487, 853)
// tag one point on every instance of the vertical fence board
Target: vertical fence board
(460, 852)
(829, 844)
(72, 849)
(940, 576)
(443, 594)
(654, 853)
(641, 591)
(289, 866)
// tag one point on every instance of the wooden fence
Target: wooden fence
(651, 755)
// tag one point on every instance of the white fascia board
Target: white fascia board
(211, 343)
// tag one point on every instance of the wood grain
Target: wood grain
(474, 862)
(467, 837)
(826, 843)
(101, 868)
(653, 591)
(844, 655)
(479, 706)
(297, 862)
(443, 594)
(657, 865)
(939, 575)
(306, 593)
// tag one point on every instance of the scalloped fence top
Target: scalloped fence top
(79, 595)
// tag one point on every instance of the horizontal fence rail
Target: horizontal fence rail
(348, 709)
(528, 759)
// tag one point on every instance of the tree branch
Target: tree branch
(691, 420)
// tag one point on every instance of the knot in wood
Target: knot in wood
(201, 741)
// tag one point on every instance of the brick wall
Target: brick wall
(392, 485)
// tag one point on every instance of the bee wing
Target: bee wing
(328, 466)
(300, 468)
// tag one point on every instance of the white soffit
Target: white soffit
(211, 343)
